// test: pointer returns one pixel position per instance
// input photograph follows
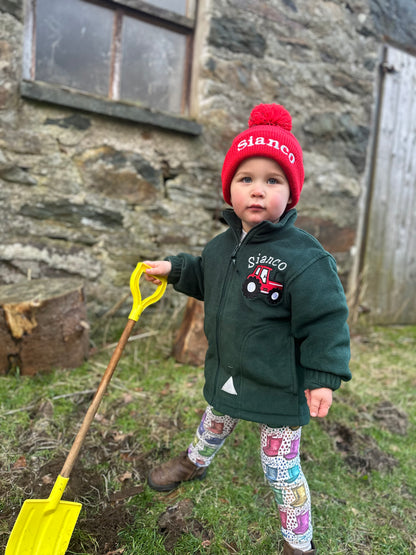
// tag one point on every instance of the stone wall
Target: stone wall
(88, 196)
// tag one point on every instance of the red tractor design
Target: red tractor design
(259, 282)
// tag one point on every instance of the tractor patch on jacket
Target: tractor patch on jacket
(259, 282)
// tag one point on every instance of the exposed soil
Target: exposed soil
(104, 516)
(360, 451)
(177, 520)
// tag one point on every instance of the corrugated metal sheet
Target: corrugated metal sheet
(389, 280)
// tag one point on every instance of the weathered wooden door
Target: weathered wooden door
(389, 253)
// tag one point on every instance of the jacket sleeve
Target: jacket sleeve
(319, 324)
(187, 275)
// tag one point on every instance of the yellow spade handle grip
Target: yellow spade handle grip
(140, 304)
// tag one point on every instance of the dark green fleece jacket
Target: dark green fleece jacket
(275, 319)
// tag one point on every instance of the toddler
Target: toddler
(275, 321)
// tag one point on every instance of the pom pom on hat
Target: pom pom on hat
(268, 135)
(270, 114)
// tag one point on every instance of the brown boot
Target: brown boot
(289, 550)
(170, 474)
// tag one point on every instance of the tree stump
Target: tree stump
(190, 343)
(43, 325)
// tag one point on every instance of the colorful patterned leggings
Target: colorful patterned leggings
(281, 466)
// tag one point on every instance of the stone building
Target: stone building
(115, 117)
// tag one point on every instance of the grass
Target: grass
(359, 461)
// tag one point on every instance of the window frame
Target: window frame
(112, 106)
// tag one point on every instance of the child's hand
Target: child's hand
(158, 268)
(319, 401)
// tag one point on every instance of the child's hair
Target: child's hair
(268, 135)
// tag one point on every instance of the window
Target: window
(130, 51)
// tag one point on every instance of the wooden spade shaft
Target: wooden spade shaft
(89, 417)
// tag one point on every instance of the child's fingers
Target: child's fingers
(149, 273)
(158, 268)
(152, 264)
(319, 401)
(321, 410)
(152, 279)
(314, 408)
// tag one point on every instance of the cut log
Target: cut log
(190, 344)
(43, 325)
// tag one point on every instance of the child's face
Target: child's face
(259, 191)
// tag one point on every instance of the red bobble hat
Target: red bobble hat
(268, 135)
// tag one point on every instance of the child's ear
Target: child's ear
(290, 200)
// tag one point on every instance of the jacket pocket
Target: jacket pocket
(268, 358)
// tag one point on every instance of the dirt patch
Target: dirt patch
(100, 520)
(177, 520)
(359, 451)
(391, 418)
(101, 531)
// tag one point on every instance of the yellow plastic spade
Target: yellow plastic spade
(44, 527)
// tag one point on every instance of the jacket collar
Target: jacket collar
(263, 229)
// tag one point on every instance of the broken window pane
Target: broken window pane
(73, 44)
(152, 66)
